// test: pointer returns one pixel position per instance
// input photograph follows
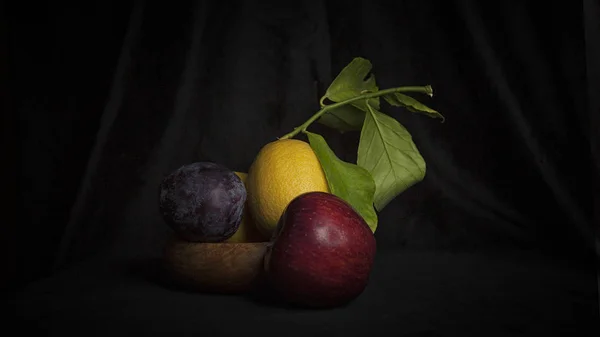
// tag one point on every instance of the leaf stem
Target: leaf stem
(322, 100)
(325, 108)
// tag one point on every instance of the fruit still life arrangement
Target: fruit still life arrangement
(301, 221)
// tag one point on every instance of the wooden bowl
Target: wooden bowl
(215, 267)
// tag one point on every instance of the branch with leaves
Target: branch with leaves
(388, 161)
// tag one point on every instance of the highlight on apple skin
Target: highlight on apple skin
(322, 252)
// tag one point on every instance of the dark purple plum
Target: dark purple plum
(202, 202)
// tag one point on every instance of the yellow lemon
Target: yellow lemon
(247, 231)
(282, 170)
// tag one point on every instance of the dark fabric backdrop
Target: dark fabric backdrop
(499, 239)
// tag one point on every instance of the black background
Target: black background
(105, 98)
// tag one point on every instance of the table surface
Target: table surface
(409, 294)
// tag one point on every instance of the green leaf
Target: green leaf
(387, 151)
(399, 99)
(344, 118)
(352, 81)
(350, 182)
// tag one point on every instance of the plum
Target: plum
(202, 202)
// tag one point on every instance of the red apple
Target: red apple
(321, 253)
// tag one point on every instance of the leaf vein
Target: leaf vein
(399, 149)
(407, 170)
(382, 140)
(404, 137)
